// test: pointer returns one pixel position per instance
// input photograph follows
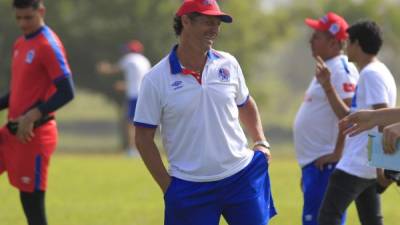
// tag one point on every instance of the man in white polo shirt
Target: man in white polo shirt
(317, 143)
(353, 179)
(198, 95)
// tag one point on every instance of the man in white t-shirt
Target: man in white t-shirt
(134, 65)
(198, 95)
(317, 143)
(353, 179)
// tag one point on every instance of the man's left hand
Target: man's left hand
(25, 129)
(25, 125)
(265, 151)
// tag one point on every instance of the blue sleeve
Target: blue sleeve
(64, 94)
(4, 101)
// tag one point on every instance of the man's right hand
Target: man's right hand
(104, 68)
(165, 184)
(323, 74)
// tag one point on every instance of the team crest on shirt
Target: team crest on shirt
(30, 56)
(224, 75)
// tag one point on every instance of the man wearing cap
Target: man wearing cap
(197, 95)
(317, 142)
(134, 66)
(353, 179)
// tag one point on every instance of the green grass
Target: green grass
(87, 189)
(88, 106)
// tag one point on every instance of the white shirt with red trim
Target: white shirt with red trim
(315, 128)
(376, 86)
(200, 125)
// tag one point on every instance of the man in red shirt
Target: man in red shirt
(40, 84)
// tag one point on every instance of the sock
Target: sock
(34, 207)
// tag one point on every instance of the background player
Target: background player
(40, 84)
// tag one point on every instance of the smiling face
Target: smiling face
(29, 19)
(201, 30)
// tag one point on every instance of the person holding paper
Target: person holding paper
(353, 179)
(366, 119)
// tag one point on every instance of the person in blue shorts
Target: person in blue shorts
(198, 96)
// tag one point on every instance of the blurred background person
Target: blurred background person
(317, 142)
(134, 65)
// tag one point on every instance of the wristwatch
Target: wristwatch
(263, 143)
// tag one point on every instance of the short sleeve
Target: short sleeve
(54, 58)
(344, 85)
(148, 108)
(376, 89)
(242, 92)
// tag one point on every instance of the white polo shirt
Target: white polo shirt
(200, 125)
(134, 66)
(315, 128)
(376, 86)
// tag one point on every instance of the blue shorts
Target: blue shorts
(314, 184)
(242, 199)
(131, 109)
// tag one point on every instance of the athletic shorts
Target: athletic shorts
(242, 199)
(131, 109)
(314, 184)
(27, 164)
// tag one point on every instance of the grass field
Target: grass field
(110, 189)
(88, 189)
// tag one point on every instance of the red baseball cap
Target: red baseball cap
(332, 23)
(135, 46)
(206, 7)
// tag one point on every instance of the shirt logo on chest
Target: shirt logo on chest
(177, 85)
(224, 75)
(30, 56)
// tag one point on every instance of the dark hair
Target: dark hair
(178, 27)
(368, 34)
(21, 4)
